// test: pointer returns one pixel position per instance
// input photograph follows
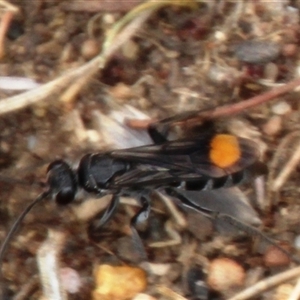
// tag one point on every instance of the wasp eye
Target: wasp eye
(65, 196)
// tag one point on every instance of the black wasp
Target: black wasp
(201, 161)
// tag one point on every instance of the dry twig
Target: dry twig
(231, 109)
(276, 161)
(267, 284)
(295, 294)
(4, 25)
(48, 261)
(168, 293)
(287, 170)
(27, 289)
(117, 36)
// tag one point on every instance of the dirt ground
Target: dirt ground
(190, 57)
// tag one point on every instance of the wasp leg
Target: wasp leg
(141, 216)
(187, 203)
(108, 213)
(157, 137)
(254, 232)
(230, 220)
(159, 131)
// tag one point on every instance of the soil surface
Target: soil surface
(183, 58)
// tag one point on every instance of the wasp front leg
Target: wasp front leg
(100, 221)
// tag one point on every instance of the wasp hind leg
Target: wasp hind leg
(156, 135)
(160, 131)
(214, 215)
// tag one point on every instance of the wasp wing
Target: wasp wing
(143, 178)
(187, 157)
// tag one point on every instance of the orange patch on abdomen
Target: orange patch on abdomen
(224, 150)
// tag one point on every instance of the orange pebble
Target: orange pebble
(118, 283)
(274, 257)
(225, 274)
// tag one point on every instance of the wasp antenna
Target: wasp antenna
(254, 232)
(17, 223)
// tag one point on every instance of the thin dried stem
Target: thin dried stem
(100, 61)
(267, 284)
(4, 25)
(170, 294)
(176, 214)
(276, 161)
(48, 262)
(33, 96)
(9, 6)
(287, 170)
(27, 289)
(254, 101)
(295, 294)
(113, 42)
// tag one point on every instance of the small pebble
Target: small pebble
(61, 36)
(39, 111)
(225, 274)
(15, 29)
(41, 33)
(200, 226)
(118, 283)
(71, 280)
(289, 50)
(273, 257)
(127, 250)
(271, 72)
(90, 48)
(292, 15)
(196, 283)
(143, 297)
(109, 18)
(281, 108)
(223, 76)
(283, 291)
(220, 36)
(130, 50)
(273, 126)
(67, 54)
(51, 48)
(121, 91)
(39, 145)
(156, 269)
(257, 52)
(297, 242)
(5, 147)
(93, 136)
